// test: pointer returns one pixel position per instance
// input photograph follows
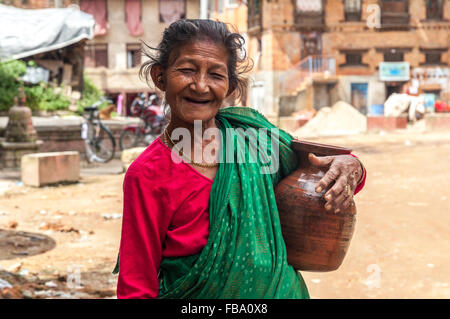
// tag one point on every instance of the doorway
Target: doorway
(358, 93)
(393, 87)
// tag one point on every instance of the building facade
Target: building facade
(313, 53)
(113, 57)
(37, 4)
(233, 12)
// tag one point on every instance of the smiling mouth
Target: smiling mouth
(197, 101)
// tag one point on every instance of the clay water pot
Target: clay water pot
(316, 239)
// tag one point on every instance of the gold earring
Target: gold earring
(159, 78)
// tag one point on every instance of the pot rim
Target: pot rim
(318, 148)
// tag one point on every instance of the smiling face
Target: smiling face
(196, 81)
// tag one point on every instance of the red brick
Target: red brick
(384, 123)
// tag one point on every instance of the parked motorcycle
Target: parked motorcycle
(151, 124)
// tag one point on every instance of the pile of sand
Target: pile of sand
(340, 119)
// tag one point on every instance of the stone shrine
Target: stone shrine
(20, 135)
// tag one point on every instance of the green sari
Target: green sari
(245, 256)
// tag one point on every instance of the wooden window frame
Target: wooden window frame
(386, 54)
(352, 15)
(441, 10)
(96, 47)
(137, 48)
(254, 18)
(309, 20)
(393, 19)
(428, 52)
(349, 53)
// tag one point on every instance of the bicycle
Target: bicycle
(99, 141)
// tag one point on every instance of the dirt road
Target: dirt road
(64, 239)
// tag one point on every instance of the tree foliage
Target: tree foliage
(41, 96)
(91, 94)
(10, 73)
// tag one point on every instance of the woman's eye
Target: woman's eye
(187, 70)
(217, 75)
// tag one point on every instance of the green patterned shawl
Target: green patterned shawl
(245, 256)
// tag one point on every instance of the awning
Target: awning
(26, 32)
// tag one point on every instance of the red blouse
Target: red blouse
(165, 214)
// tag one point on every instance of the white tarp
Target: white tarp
(25, 32)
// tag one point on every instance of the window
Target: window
(393, 56)
(309, 14)
(433, 58)
(397, 6)
(353, 57)
(434, 9)
(257, 6)
(352, 10)
(309, 5)
(96, 55)
(171, 10)
(254, 7)
(254, 14)
(394, 14)
(133, 55)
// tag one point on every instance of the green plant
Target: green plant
(44, 97)
(41, 96)
(10, 73)
(91, 94)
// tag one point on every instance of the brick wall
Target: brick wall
(356, 35)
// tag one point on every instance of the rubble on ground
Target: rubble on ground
(340, 119)
(41, 286)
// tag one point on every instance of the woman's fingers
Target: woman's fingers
(336, 194)
(340, 202)
(341, 172)
(330, 176)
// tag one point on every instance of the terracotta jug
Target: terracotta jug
(316, 240)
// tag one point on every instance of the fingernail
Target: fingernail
(337, 211)
(328, 197)
(318, 189)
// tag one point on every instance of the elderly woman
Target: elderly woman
(204, 227)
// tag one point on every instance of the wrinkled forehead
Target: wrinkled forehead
(185, 48)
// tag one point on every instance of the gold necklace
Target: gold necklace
(180, 152)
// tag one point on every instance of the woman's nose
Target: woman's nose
(200, 84)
